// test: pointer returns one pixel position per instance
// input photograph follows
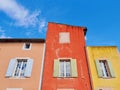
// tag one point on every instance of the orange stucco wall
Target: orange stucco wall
(75, 50)
(13, 50)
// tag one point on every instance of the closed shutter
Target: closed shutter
(11, 68)
(74, 68)
(111, 68)
(98, 68)
(28, 69)
(64, 37)
(56, 68)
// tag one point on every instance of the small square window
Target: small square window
(27, 46)
(64, 37)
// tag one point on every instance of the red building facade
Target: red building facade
(65, 65)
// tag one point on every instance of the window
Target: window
(104, 68)
(65, 68)
(64, 37)
(19, 68)
(27, 46)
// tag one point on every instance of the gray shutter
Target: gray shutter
(56, 68)
(111, 68)
(98, 68)
(28, 69)
(11, 68)
(74, 68)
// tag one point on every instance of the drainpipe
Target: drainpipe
(42, 68)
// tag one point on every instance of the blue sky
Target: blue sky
(29, 18)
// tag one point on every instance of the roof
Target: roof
(23, 40)
(84, 28)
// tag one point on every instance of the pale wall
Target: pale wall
(13, 50)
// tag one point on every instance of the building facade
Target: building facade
(104, 62)
(65, 66)
(21, 64)
(61, 63)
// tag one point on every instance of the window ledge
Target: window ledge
(107, 77)
(66, 77)
(17, 77)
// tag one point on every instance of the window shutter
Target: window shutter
(11, 67)
(56, 68)
(28, 69)
(74, 68)
(98, 68)
(111, 69)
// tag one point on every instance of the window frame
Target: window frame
(105, 71)
(64, 68)
(27, 73)
(74, 71)
(15, 67)
(24, 46)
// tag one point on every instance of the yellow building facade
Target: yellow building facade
(104, 65)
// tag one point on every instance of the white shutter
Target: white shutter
(28, 69)
(11, 67)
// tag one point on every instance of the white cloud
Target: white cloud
(29, 20)
(3, 36)
(42, 25)
(20, 14)
(2, 33)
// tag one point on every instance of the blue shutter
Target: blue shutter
(11, 67)
(28, 69)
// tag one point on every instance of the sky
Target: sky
(29, 18)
